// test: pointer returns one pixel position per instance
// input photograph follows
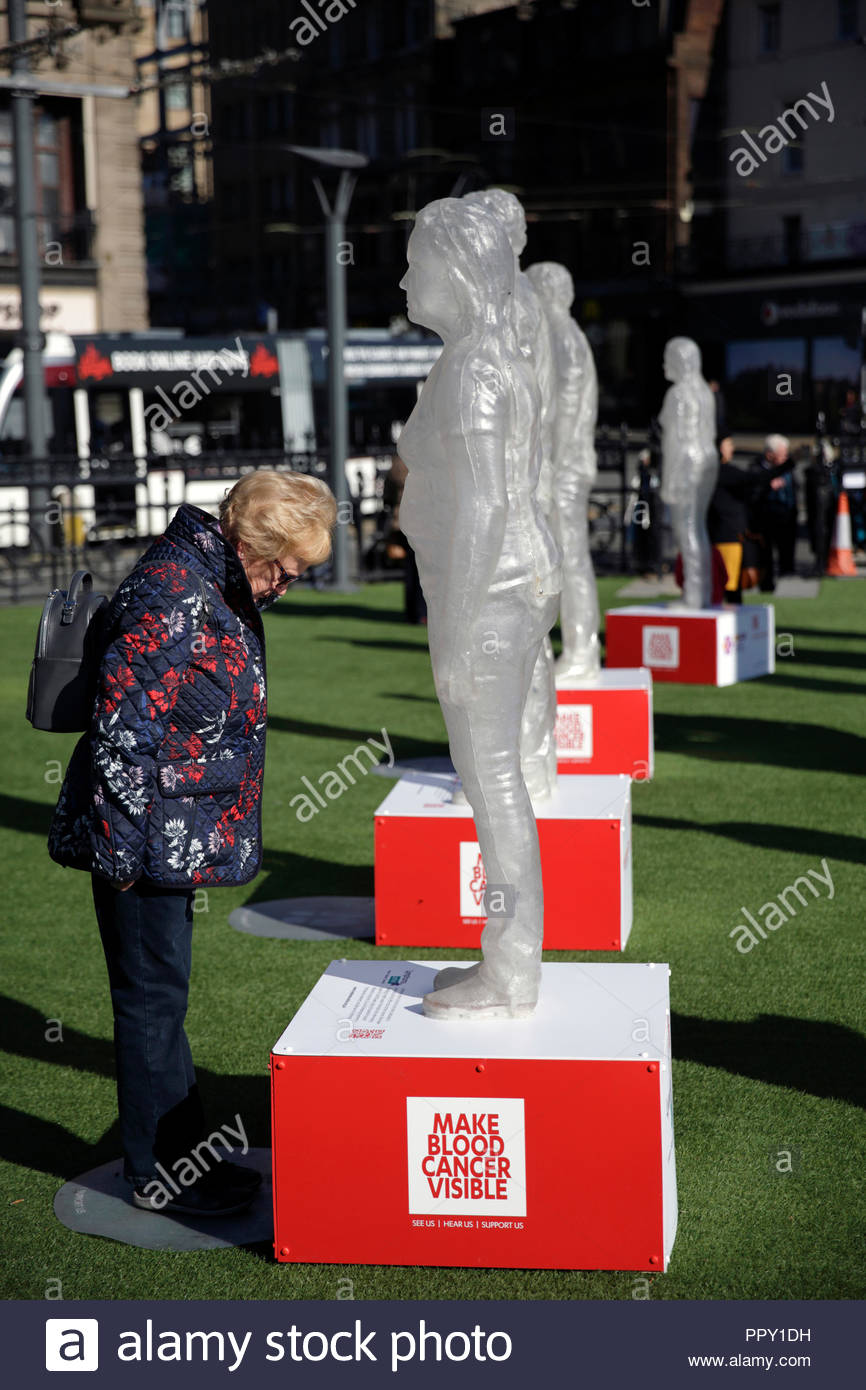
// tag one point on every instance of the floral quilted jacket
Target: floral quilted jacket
(167, 783)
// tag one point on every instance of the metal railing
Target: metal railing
(101, 512)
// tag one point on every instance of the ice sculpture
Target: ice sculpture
(690, 464)
(574, 470)
(538, 733)
(489, 567)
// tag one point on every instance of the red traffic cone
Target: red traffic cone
(840, 562)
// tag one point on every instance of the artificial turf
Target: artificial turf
(754, 785)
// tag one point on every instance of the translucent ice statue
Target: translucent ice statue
(538, 732)
(690, 464)
(489, 567)
(574, 469)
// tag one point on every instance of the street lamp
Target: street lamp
(335, 273)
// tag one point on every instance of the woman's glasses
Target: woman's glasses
(285, 577)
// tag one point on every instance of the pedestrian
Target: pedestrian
(773, 512)
(821, 501)
(721, 410)
(163, 793)
(646, 517)
(728, 519)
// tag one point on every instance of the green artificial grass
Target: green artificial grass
(754, 785)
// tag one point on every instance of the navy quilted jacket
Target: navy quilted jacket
(168, 781)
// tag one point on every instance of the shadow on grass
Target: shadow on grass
(296, 608)
(821, 1059)
(827, 632)
(409, 747)
(288, 875)
(34, 1142)
(718, 738)
(820, 687)
(402, 695)
(822, 656)
(790, 839)
(33, 817)
(381, 645)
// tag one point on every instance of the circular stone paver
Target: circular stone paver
(308, 919)
(99, 1203)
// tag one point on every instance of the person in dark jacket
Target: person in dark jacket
(728, 518)
(164, 793)
(774, 508)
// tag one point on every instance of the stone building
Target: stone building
(88, 178)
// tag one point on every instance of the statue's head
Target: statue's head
(552, 283)
(682, 358)
(461, 268)
(507, 209)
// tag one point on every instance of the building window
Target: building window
(175, 20)
(55, 185)
(177, 95)
(792, 238)
(794, 153)
(7, 186)
(848, 26)
(769, 28)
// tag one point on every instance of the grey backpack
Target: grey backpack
(65, 667)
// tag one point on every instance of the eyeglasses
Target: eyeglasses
(285, 577)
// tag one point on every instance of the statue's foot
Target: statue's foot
(453, 974)
(576, 668)
(458, 796)
(474, 998)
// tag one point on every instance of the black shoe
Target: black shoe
(228, 1174)
(199, 1199)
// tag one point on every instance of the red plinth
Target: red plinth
(606, 725)
(707, 646)
(430, 879)
(544, 1144)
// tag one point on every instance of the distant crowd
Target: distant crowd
(754, 514)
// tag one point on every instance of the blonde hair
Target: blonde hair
(279, 514)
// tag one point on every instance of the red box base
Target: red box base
(584, 1144)
(605, 726)
(430, 879)
(708, 646)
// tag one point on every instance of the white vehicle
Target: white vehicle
(138, 423)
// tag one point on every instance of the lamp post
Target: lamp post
(335, 279)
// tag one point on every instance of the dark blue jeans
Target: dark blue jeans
(147, 939)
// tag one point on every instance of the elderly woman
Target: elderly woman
(164, 793)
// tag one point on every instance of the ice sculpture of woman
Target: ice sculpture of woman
(489, 568)
(574, 470)
(690, 464)
(538, 732)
